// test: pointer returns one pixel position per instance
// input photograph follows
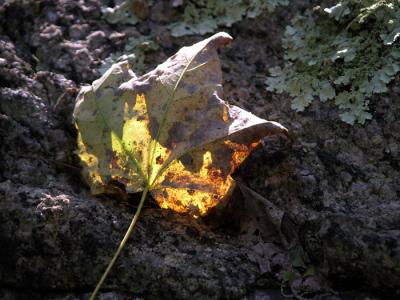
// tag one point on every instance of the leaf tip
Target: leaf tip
(221, 39)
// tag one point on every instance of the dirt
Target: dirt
(337, 185)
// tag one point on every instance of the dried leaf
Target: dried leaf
(168, 130)
(261, 215)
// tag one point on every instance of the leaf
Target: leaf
(310, 271)
(289, 276)
(122, 14)
(259, 215)
(392, 37)
(301, 102)
(338, 11)
(347, 53)
(326, 92)
(348, 117)
(378, 85)
(298, 261)
(276, 82)
(344, 79)
(395, 53)
(168, 131)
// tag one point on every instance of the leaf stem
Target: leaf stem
(122, 244)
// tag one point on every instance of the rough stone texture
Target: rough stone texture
(54, 238)
(340, 184)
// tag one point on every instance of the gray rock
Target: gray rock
(96, 39)
(78, 31)
(56, 237)
(340, 184)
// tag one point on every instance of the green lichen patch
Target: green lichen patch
(204, 16)
(345, 53)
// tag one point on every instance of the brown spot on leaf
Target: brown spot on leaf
(176, 134)
(159, 160)
(114, 163)
(214, 173)
(177, 202)
(169, 176)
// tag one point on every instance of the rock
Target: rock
(78, 31)
(117, 37)
(70, 237)
(51, 34)
(140, 8)
(13, 294)
(96, 39)
(55, 237)
(339, 184)
(346, 204)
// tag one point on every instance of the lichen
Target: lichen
(204, 16)
(346, 53)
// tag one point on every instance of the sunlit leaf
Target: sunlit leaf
(168, 130)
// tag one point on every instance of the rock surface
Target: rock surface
(339, 184)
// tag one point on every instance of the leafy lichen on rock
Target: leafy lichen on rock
(204, 16)
(345, 53)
